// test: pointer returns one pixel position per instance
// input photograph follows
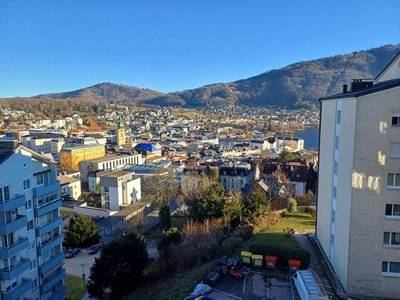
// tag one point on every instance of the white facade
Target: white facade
(119, 189)
(358, 221)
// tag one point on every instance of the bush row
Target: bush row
(307, 209)
(283, 253)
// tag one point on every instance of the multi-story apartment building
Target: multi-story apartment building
(40, 142)
(30, 226)
(358, 221)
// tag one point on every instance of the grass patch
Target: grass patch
(187, 112)
(274, 234)
(175, 286)
(75, 288)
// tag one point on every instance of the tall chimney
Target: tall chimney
(344, 88)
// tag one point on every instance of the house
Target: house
(235, 175)
(358, 203)
(30, 225)
(70, 187)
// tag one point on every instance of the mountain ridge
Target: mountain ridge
(298, 85)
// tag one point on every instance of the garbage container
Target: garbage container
(270, 261)
(257, 260)
(246, 257)
(294, 265)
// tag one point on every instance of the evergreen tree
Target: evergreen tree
(165, 215)
(82, 231)
(119, 268)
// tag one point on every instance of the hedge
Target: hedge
(283, 253)
(303, 209)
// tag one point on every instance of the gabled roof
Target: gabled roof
(388, 66)
(5, 153)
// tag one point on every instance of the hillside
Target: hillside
(297, 85)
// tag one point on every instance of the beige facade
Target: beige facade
(357, 224)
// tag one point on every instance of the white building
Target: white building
(234, 176)
(119, 189)
(30, 226)
(358, 203)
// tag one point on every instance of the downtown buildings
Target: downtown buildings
(358, 223)
(31, 255)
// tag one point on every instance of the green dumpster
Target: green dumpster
(257, 260)
(246, 257)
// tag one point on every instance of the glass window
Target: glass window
(338, 116)
(39, 179)
(384, 266)
(395, 238)
(386, 238)
(27, 184)
(393, 180)
(5, 193)
(394, 267)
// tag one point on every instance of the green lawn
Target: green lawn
(301, 223)
(75, 287)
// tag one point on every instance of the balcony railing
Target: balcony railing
(46, 189)
(42, 229)
(21, 244)
(18, 291)
(13, 203)
(12, 271)
(47, 207)
(51, 263)
(13, 225)
(52, 280)
(60, 294)
(50, 244)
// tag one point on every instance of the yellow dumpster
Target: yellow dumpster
(246, 257)
(257, 260)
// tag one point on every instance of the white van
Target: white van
(309, 286)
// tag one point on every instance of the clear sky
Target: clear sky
(57, 46)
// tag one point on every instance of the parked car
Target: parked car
(72, 252)
(94, 249)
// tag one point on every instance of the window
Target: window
(392, 210)
(39, 179)
(31, 246)
(11, 286)
(391, 268)
(4, 193)
(28, 204)
(27, 184)
(338, 116)
(337, 141)
(34, 284)
(391, 238)
(393, 180)
(33, 264)
(396, 120)
(29, 225)
(395, 150)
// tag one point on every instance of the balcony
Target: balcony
(18, 223)
(46, 189)
(60, 294)
(42, 229)
(21, 244)
(13, 271)
(50, 281)
(18, 291)
(47, 207)
(15, 202)
(50, 244)
(51, 263)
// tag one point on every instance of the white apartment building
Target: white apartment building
(119, 189)
(30, 226)
(235, 175)
(358, 202)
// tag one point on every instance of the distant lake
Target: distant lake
(310, 135)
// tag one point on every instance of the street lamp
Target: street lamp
(83, 276)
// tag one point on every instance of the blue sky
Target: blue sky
(56, 46)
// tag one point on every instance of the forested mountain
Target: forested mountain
(297, 85)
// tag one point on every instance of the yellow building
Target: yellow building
(71, 157)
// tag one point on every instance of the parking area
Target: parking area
(259, 284)
(80, 263)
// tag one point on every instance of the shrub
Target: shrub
(292, 205)
(289, 231)
(283, 253)
(245, 232)
(302, 209)
(229, 245)
(312, 210)
(265, 221)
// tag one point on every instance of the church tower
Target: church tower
(121, 132)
